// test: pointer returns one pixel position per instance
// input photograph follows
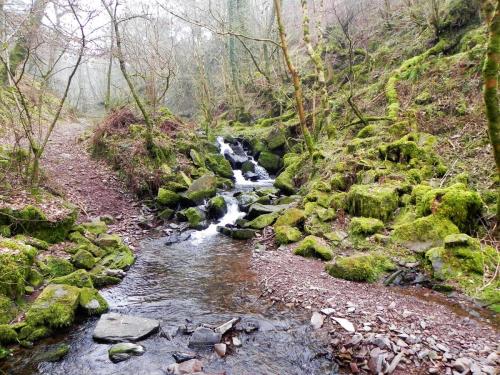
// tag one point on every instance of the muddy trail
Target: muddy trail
(290, 316)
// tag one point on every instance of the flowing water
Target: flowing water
(206, 279)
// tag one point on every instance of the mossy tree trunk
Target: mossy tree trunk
(490, 74)
(297, 84)
(233, 58)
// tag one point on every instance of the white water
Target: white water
(233, 211)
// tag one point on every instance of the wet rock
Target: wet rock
(217, 207)
(222, 329)
(237, 233)
(346, 324)
(124, 350)
(169, 332)
(189, 367)
(258, 209)
(248, 325)
(183, 357)
(203, 188)
(236, 342)
(53, 353)
(317, 320)
(204, 337)
(220, 349)
(113, 327)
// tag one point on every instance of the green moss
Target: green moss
(120, 257)
(7, 334)
(367, 131)
(53, 353)
(166, 214)
(418, 193)
(35, 278)
(321, 198)
(271, 162)
(8, 309)
(363, 226)
(55, 307)
(313, 246)
(31, 241)
(100, 278)
(338, 182)
(276, 138)
(94, 227)
(376, 201)
(291, 217)
(16, 259)
(203, 188)
(315, 226)
(195, 216)
(79, 278)
(432, 228)
(364, 267)
(30, 333)
(57, 267)
(286, 234)
(83, 259)
(92, 302)
(217, 207)
(463, 207)
(196, 158)
(285, 180)
(262, 221)
(5, 231)
(168, 198)
(219, 165)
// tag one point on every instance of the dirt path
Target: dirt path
(433, 334)
(89, 183)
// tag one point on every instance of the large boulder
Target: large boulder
(16, 259)
(313, 246)
(202, 188)
(271, 162)
(237, 233)
(217, 207)
(377, 201)
(196, 218)
(365, 226)
(168, 198)
(219, 165)
(262, 221)
(286, 234)
(79, 278)
(361, 267)
(258, 209)
(113, 327)
(292, 217)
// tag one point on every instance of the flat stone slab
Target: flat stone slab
(113, 327)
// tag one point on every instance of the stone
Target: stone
(124, 350)
(216, 207)
(375, 201)
(202, 188)
(258, 209)
(346, 324)
(220, 349)
(204, 337)
(223, 328)
(237, 233)
(271, 162)
(462, 364)
(317, 320)
(313, 246)
(114, 327)
(168, 198)
(219, 165)
(286, 234)
(192, 366)
(53, 353)
(83, 259)
(183, 357)
(328, 311)
(236, 342)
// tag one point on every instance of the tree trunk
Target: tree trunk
(233, 61)
(107, 99)
(490, 74)
(297, 85)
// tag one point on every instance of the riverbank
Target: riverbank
(422, 330)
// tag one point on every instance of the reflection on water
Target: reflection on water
(209, 282)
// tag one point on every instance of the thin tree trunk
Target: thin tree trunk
(297, 85)
(490, 74)
(107, 99)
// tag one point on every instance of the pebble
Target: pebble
(317, 320)
(236, 342)
(328, 311)
(346, 324)
(220, 349)
(462, 364)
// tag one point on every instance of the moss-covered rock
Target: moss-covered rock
(219, 165)
(53, 353)
(79, 278)
(120, 257)
(195, 217)
(362, 267)
(292, 217)
(166, 214)
(365, 226)
(8, 309)
(55, 307)
(262, 221)
(94, 227)
(376, 201)
(320, 197)
(313, 246)
(35, 278)
(5, 231)
(196, 158)
(276, 138)
(367, 131)
(202, 188)
(101, 278)
(432, 229)
(83, 259)
(237, 233)
(271, 162)
(92, 302)
(317, 227)
(30, 333)
(7, 334)
(35, 242)
(285, 180)
(217, 207)
(56, 266)
(16, 259)
(286, 234)
(168, 198)
(462, 206)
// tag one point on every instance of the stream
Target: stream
(205, 279)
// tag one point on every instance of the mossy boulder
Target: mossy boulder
(55, 307)
(7, 334)
(31, 241)
(362, 267)
(120, 257)
(219, 165)
(8, 309)
(83, 259)
(285, 180)
(430, 229)
(460, 205)
(376, 201)
(16, 260)
(168, 198)
(30, 333)
(367, 132)
(79, 278)
(94, 227)
(195, 217)
(196, 158)
(237, 233)
(365, 226)
(5, 231)
(292, 217)
(35, 278)
(92, 302)
(56, 266)
(313, 246)
(262, 221)
(217, 207)
(320, 197)
(317, 227)
(271, 162)
(202, 188)
(53, 353)
(276, 139)
(286, 234)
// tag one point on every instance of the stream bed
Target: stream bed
(205, 279)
